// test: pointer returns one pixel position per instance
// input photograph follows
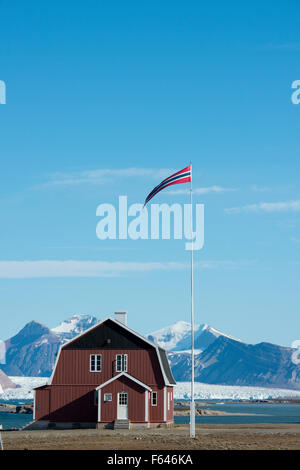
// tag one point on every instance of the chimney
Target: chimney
(121, 317)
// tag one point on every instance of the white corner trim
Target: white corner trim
(165, 403)
(99, 406)
(146, 406)
(56, 362)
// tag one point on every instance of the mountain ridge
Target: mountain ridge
(220, 358)
(229, 362)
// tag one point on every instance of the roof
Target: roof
(41, 387)
(166, 365)
(140, 340)
(128, 376)
(109, 334)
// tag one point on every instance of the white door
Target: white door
(122, 405)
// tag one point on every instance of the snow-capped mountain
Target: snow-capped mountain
(74, 326)
(220, 359)
(32, 351)
(177, 337)
(204, 336)
(170, 336)
(230, 362)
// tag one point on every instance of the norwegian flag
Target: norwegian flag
(182, 176)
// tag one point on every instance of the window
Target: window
(168, 400)
(107, 396)
(154, 398)
(96, 398)
(123, 398)
(95, 362)
(121, 363)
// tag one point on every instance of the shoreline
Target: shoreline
(16, 409)
(270, 401)
(181, 406)
(204, 412)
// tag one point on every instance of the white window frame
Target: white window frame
(124, 363)
(95, 356)
(152, 396)
(107, 399)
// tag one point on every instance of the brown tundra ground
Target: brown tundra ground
(208, 437)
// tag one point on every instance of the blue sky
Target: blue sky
(148, 86)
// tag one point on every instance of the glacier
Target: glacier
(181, 391)
(204, 391)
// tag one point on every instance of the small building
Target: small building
(109, 376)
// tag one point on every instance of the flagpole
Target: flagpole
(192, 403)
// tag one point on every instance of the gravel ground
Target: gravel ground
(209, 437)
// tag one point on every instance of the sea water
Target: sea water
(262, 413)
(15, 420)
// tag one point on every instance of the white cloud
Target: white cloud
(73, 268)
(293, 206)
(209, 189)
(104, 175)
(226, 264)
(259, 189)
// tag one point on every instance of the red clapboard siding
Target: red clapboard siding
(136, 400)
(42, 403)
(73, 367)
(67, 403)
(71, 395)
(156, 413)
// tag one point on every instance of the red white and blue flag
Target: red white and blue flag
(182, 176)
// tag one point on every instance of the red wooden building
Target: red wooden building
(107, 376)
